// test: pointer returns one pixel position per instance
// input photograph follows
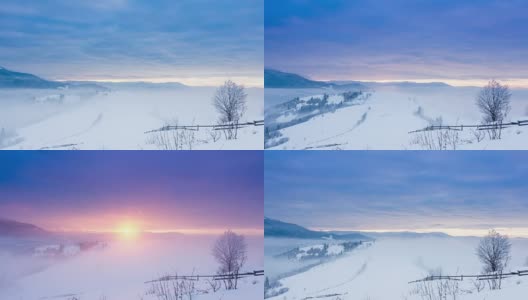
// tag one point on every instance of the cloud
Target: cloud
(96, 40)
(398, 40)
(395, 189)
(104, 4)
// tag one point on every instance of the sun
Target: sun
(128, 230)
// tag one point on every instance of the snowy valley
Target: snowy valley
(98, 116)
(383, 269)
(377, 116)
(85, 266)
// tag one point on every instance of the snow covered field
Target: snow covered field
(119, 270)
(118, 118)
(382, 270)
(385, 119)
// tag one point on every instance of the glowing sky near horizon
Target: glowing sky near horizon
(457, 42)
(193, 42)
(459, 193)
(191, 192)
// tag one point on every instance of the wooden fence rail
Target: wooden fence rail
(214, 127)
(214, 277)
(478, 127)
(478, 277)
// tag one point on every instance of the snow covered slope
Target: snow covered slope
(12, 79)
(10, 228)
(278, 79)
(119, 119)
(119, 270)
(383, 270)
(276, 228)
(385, 118)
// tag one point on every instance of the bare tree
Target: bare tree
(494, 253)
(230, 251)
(230, 102)
(494, 103)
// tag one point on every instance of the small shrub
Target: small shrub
(437, 139)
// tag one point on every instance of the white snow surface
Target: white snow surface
(384, 121)
(335, 249)
(382, 271)
(119, 118)
(119, 271)
(57, 250)
(308, 248)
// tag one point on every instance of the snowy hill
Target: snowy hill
(11, 228)
(17, 80)
(406, 235)
(383, 272)
(275, 228)
(142, 85)
(384, 120)
(12, 79)
(120, 268)
(301, 110)
(283, 80)
(85, 118)
(322, 250)
(278, 79)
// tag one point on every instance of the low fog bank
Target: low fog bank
(118, 117)
(115, 268)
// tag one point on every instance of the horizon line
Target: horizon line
(517, 83)
(190, 82)
(520, 83)
(513, 232)
(185, 231)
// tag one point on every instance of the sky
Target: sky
(459, 42)
(459, 193)
(188, 191)
(195, 42)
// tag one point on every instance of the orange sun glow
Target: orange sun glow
(128, 230)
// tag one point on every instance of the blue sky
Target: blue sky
(191, 41)
(462, 42)
(96, 190)
(461, 193)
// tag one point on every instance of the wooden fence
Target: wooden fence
(213, 277)
(60, 146)
(478, 277)
(214, 127)
(490, 126)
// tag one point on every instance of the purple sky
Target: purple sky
(460, 192)
(461, 42)
(98, 190)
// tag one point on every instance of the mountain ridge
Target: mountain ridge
(13, 79)
(17, 80)
(276, 228)
(278, 79)
(13, 228)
